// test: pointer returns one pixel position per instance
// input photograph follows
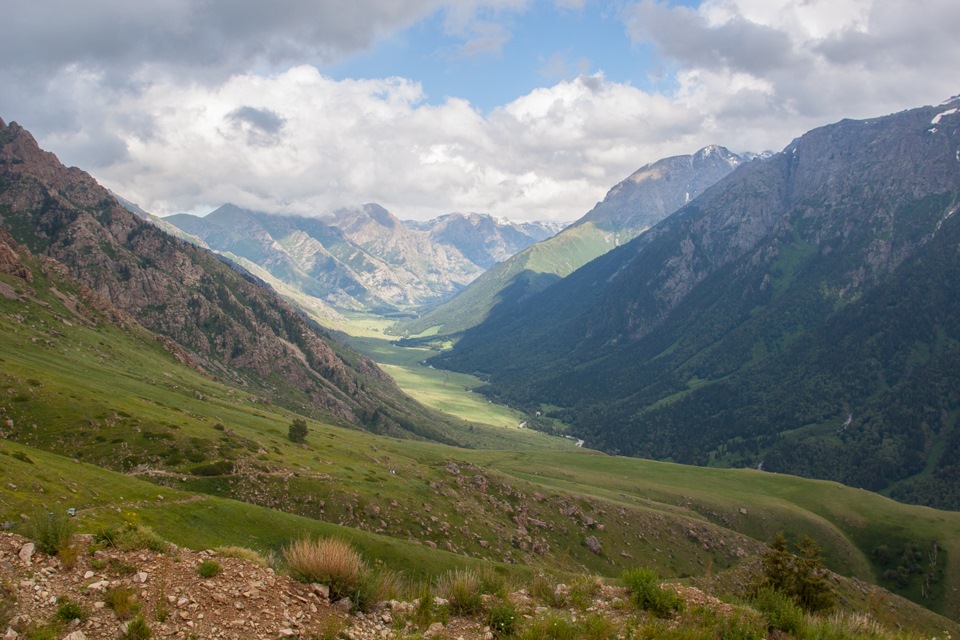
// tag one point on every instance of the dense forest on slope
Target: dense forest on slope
(800, 314)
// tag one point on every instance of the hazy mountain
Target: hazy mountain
(363, 258)
(231, 325)
(802, 312)
(441, 267)
(484, 239)
(631, 207)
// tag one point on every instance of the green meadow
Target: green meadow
(99, 416)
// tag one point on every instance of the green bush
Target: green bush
(50, 530)
(800, 576)
(298, 430)
(137, 629)
(645, 589)
(68, 610)
(781, 612)
(502, 618)
(209, 568)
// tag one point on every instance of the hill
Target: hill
(631, 207)
(799, 314)
(227, 324)
(99, 415)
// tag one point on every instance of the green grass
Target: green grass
(452, 393)
(115, 398)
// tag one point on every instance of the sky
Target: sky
(526, 109)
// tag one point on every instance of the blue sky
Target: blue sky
(541, 45)
(529, 109)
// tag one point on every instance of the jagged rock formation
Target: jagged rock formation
(484, 239)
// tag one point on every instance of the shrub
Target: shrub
(131, 537)
(68, 610)
(801, 577)
(243, 554)
(328, 561)
(123, 601)
(50, 530)
(209, 568)
(461, 588)
(780, 610)
(645, 589)
(552, 626)
(298, 430)
(137, 629)
(502, 618)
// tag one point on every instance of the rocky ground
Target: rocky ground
(244, 600)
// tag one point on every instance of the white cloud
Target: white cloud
(184, 104)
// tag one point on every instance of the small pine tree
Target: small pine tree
(298, 430)
(801, 577)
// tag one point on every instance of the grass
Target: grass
(462, 588)
(491, 425)
(646, 593)
(51, 530)
(327, 561)
(209, 569)
(108, 397)
(123, 601)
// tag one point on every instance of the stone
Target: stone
(75, 635)
(344, 605)
(593, 544)
(322, 590)
(26, 552)
(88, 574)
(287, 633)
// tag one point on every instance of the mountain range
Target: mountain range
(631, 207)
(222, 321)
(800, 315)
(822, 275)
(361, 258)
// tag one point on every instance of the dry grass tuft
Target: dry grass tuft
(327, 561)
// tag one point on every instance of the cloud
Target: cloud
(186, 104)
(685, 35)
(262, 126)
(803, 62)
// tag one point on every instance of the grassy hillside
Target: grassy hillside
(99, 415)
(527, 272)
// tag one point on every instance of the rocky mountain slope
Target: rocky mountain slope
(800, 313)
(630, 208)
(231, 325)
(359, 259)
(98, 415)
(483, 239)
